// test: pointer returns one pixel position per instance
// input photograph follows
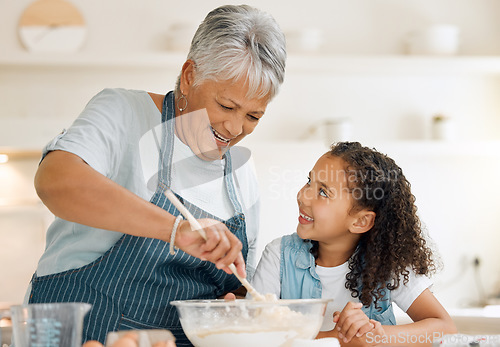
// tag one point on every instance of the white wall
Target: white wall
(456, 193)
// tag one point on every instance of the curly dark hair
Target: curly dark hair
(396, 242)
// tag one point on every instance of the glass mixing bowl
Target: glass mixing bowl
(242, 323)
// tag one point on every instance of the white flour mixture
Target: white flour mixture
(265, 326)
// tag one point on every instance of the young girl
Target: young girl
(359, 241)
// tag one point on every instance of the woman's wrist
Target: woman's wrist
(182, 225)
(173, 233)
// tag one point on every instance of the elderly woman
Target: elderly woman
(104, 178)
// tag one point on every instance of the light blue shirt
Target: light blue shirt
(299, 279)
(113, 135)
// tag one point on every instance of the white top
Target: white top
(267, 280)
(114, 136)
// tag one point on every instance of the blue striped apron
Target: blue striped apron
(131, 285)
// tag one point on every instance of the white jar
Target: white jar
(305, 40)
(336, 130)
(443, 128)
(435, 40)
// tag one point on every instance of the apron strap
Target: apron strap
(166, 154)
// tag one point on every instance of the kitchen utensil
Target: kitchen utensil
(250, 323)
(50, 324)
(5, 326)
(196, 226)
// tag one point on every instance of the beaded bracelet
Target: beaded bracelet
(173, 249)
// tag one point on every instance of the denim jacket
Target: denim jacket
(299, 279)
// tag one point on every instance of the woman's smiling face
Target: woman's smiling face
(325, 202)
(229, 115)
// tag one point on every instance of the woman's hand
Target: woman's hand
(352, 322)
(221, 247)
(239, 293)
(229, 297)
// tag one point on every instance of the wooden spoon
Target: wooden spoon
(196, 226)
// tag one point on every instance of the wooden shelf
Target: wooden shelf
(429, 148)
(394, 64)
(20, 153)
(83, 60)
(14, 204)
(439, 148)
(351, 64)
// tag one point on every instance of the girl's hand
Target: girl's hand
(222, 247)
(371, 338)
(352, 322)
(378, 330)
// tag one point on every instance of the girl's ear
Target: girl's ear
(187, 76)
(363, 222)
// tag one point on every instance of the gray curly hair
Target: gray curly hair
(235, 42)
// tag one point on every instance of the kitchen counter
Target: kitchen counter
(471, 321)
(479, 320)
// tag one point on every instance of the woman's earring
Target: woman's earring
(182, 99)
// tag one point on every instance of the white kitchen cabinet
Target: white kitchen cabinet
(392, 95)
(398, 93)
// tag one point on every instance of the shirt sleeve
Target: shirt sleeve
(99, 134)
(405, 294)
(267, 276)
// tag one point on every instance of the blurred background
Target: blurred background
(416, 79)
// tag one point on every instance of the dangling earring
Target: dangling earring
(182, 99)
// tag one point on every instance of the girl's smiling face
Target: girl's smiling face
(325, 202)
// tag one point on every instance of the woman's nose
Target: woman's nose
(234, 126)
